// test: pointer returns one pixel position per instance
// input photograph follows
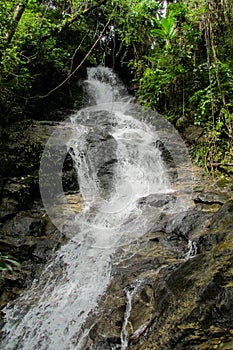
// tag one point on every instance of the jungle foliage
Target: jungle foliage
(188, 75)
(178, 56)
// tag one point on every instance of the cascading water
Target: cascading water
(119, 165)
(103, 86)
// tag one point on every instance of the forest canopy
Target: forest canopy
(177, 56)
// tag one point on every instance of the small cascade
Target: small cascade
(192, 249)
(130, 292)
(103, 86)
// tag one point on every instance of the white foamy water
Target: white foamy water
(51, 314)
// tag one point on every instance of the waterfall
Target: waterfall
(103, 86)
(119, 166)
(192, 249)
(130, 292)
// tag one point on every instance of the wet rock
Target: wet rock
(211, 198)
(158, 299)
(22, 225)
(90, 118)
(30, 239)
(166, 155)
(157, 200)
(22, 147)
(223, 218)
(8, 211)
(19, 193)
(215, 229)
(135, 272)
(178, 226)
(75, 201)
(158, 296)
(28, 233)
(36, 227)
(69, 176)
(184, 222)
(106, 176)
(102, 153)
(207, 241)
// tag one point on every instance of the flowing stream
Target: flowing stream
(120, 168)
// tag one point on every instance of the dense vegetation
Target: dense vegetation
(178, 56)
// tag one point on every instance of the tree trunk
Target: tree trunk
(18, 12)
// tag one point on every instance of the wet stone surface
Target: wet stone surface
(162, 295)
(176, 301)
(26, 233)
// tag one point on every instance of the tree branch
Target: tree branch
(75, 70)
(86, 11)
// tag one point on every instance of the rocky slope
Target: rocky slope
(160, 298)
(26, 233)
(170, 289)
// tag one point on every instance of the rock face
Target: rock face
(162, 297)
(170, 289)
(101, 147)
(26, 232)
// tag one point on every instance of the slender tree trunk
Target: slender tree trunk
(18, 13)
(207, 39)
(227, 125)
